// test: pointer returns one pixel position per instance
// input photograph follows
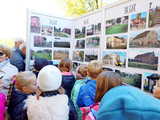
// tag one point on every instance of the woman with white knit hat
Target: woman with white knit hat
(50, 103)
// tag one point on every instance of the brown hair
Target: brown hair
(82, 72)
(105, 81)
(94, 69)
(65, 65)
(6, 50)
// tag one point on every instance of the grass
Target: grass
(119, 28)
(42, 55)
(61, 34)
(142, 65)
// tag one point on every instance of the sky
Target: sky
(13, 14)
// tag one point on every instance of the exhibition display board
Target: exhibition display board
(125, 36)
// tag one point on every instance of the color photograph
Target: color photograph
(138, 21)
(47, 30)
(133, 79)
(80, 33)
(80, 44)
(117, 42)
(93, 42)
(143, 59)
(90, 30)
(119, 25)
(114, 58)
(93, 29)
(62, 32)
(78, 56)
(60, 54)
(150, 80)
(154, 17)
(60, 44)
(41, 53)
(35, 24)
(147, 39)
(40, 41)
(91, 55)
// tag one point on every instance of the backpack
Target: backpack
(89, 113)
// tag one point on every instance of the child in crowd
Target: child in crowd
(39, 63)
(123, 102)
(68, 78)
(49, 104)
(81, 75)
(23, 87)
(87, 92)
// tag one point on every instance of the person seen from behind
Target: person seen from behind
(119, 101)
(87, 92)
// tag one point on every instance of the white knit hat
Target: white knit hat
(49, 78)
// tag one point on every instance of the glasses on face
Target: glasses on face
(1, 53)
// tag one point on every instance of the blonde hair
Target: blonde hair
(25, 77)
(6, 50)
(81, 71)
(94, 69)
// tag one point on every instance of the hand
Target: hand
(1, 82)
(156, 92)
(61, 90)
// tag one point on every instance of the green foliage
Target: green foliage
(79, 7)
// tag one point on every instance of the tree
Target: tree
(79, 7)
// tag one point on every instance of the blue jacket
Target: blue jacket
(128, 103)
(86, 94)
(18, 59)
(16, 108)
(68, 81)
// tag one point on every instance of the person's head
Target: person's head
(39, 63)
(18, 42)
(81, 72)
(26, 82)
(49, 78)
(105, 81)
(65, 65)
(94, 69)
(22, 47)
(5, 53)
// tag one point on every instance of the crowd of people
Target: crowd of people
(50, 92)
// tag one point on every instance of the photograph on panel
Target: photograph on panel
(90, 30)
(116, 42)
(41, 53)
(133, 79)
(60, 54)
(114, 58)
(144, 59)
(35, 24)
(75, 65)
(97, 28)
(93, 29)
(40, 41)
(80, 33)
(150, 80)
(138, 21)
(62, 32)
(78, 56)
(93, 42)
(154, 17)
(80, 44)
(91, 55)
(47, 30)
(117, 25)
(61, 44)
(146, 39)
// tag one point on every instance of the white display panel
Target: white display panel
(125, 36)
